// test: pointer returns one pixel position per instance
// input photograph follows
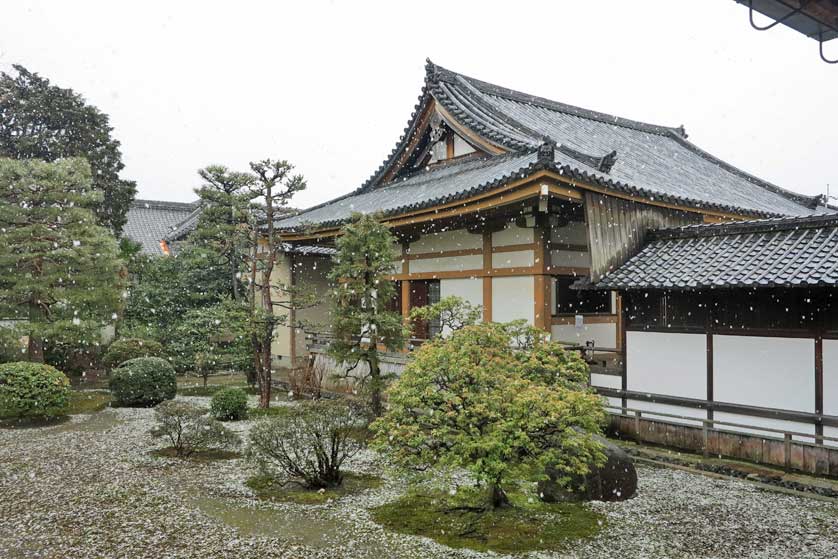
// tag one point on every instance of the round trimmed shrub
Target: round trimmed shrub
(229, 404)
(125, 349)
(143, 382)
(32, 390)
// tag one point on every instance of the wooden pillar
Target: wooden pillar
(621, 325)
(405, 295)
(541, 280)
(292, 314)
(819, 385)
(487, 278)
(710, 376)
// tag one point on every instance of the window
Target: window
(580, 301)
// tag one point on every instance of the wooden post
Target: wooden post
(541, 281)
(787, 451)
(292, 313)
(710, 375)
(705, 437)
(487, 278)
(637, 426)
(624, 348)
(819, 387)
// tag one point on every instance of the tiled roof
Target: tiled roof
(437, 186)
(644, 159)
(150, 221)
(789, 252)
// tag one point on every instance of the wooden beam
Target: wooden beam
(444, 254)
(570, 320)
(421, 125)
(514, 248)
(487, 279)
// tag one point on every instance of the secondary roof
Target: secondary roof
(784, 252)
(624, 155)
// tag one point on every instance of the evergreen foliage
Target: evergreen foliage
(43, 121)
(229, 404)
(143, 382)
(163, 290)
(361, 321)
(473, 401)
(59, 270)
(125, 349)
(451, 313)
(32, 390)
(224, 221)
(211, 339)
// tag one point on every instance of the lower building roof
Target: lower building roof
(782, 252)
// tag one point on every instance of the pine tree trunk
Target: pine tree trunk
(375, 384)
(498, 497)
(35, 349)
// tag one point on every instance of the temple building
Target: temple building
(539, 210)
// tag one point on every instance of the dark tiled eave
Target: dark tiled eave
(784, 252)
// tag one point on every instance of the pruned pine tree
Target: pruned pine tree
(274, 186)
(59, 269)
(223, 224)
(39, 120)
(361, 294)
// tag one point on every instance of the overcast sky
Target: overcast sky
(330, 85)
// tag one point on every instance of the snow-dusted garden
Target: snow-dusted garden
(89, 487)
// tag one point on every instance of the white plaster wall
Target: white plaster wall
(570, 258)
(763, 422)
(470, 289)
(606, 381)
(447, 264)
(664, 363)
(831, 432)
(517, 259)
(512, 235)
(574, 233)
(456, 239)
(603, 335)
(697, 413)
(764, 371)
(830, 377)
(513, 299)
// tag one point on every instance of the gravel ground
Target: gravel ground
(88, 488)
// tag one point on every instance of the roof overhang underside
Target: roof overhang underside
(817, 19)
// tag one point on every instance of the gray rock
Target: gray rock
(616, 480)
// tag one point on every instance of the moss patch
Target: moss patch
(88, 401)
(266, 487)
(458, 521)
(273, 411)
(200, 456)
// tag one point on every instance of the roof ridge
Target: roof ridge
(436, 72)
(746, 226)
(163, 204)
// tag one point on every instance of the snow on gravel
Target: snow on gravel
(88, 488)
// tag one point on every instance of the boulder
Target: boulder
(616, 480)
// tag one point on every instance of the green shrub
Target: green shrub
(190, 430)
(125, 349)
(143, 382)
(229, 404)
(32, 390)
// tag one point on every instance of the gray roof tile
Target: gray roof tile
(801, 251)
(644, 159)
(150, 221)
